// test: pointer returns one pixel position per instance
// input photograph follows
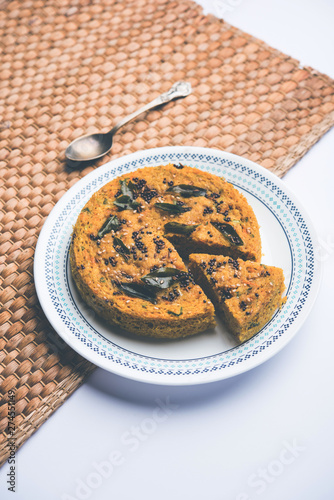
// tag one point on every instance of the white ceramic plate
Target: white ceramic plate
(288, 242)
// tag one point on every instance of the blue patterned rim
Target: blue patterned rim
(65, 314)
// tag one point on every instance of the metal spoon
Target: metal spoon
(91, 147)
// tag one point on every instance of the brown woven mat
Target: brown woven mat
(72, 67)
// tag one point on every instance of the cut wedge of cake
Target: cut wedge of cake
(245, 293)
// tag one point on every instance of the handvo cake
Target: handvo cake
(131, 239)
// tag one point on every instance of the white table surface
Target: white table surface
(266, 434)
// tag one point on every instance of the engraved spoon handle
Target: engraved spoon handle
(179, 89)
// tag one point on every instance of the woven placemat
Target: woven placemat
(73, 67)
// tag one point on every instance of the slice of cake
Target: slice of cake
(245, 293)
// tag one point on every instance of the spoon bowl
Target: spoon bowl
(91, 147)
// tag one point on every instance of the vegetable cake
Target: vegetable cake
(128, 241)
(245, 293)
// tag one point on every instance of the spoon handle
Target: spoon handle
(179, 89)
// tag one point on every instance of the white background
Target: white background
(266, 434)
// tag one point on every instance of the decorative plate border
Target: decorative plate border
(52, 282)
